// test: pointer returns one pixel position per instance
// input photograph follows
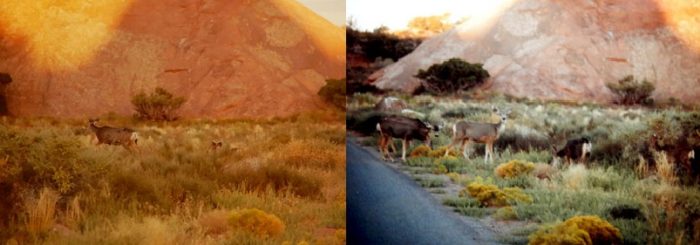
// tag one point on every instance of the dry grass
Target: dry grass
(166, 192)
(41, 212)
(665, 169)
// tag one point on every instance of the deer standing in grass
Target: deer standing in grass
(125, 137)
(404, 128)
(482, 133)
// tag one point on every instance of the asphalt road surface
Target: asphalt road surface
(385, 206)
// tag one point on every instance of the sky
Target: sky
(370, 14)
(332, 10)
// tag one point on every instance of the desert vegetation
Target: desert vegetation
(160, 105)
(636, 187)
(630, 91)
(452, 76)
(270, 182)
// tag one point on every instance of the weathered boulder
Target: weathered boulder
(243, 58)
(570, 49)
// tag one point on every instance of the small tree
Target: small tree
(334, 92)
(632, 92)
(157, 106)
(452, 76)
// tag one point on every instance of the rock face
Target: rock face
(230, 59)
(570, 49)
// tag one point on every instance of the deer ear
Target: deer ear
(494, 109)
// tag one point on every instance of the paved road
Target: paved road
(387, 207)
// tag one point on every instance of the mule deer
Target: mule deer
(483, 133)
(216, 144)
(125, 137)
(404, 128)
(575, 150)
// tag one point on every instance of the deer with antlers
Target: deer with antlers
(483, 133)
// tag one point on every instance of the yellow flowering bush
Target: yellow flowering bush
(440, 152)
(257, 222)
(578, 230)
(514, 168)
(420, 151)
(491, 196)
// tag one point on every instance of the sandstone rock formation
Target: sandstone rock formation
(569, 49)
(230, 59)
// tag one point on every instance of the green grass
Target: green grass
(610, 180)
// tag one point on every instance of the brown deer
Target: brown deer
(482, 133)
(216, 144)
(125, 137)
(575, 150)
(404, 128)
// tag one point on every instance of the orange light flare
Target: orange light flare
(482, 16)
(60, 35)
(331, 40)
(683, 18)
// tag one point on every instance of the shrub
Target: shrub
(157, 106)
(543, 171)
(578, 230)
(491, 196)
(452, 76)
(440, 152)
(420, 151)
(451, 163)
(34, 159)
(506, 213)
(439, 169)
(257, 222)
(514, 168)
(454, 177)
(631, 91)
(334, 92)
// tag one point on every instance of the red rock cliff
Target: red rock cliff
(243, 58)
(570, 49)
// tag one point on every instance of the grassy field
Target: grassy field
(273, 182)
(660, 204)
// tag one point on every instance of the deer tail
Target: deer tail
(134, 137)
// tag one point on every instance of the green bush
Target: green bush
(157, 106)
(334, 92)
(32, 160)
(632, 92)
(452, 76)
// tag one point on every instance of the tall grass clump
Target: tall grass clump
(41, 212)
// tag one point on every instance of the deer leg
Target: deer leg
(447, 151)
(464, 149)
(492, 152)
(381, 146)
(392, 145)
(403, 152)
(388, 140)
(487, 153)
